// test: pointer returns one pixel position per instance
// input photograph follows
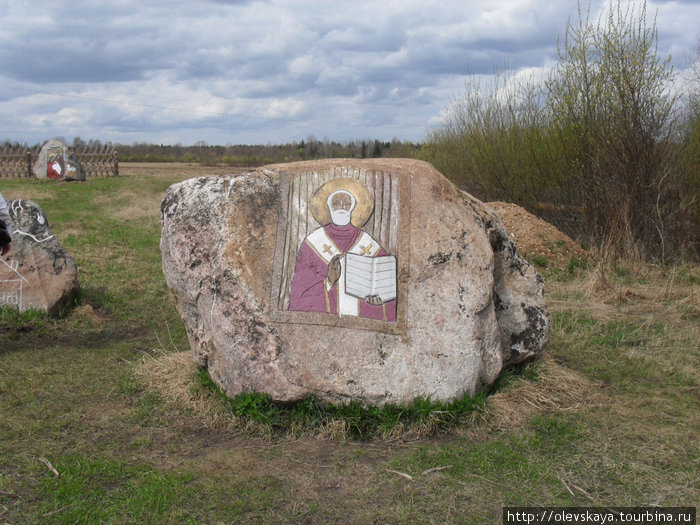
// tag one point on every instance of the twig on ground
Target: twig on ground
(49, 466)
(402, 474)
(435, 469)
(160, 343)
(583, 492)
(482, 478)
(567, 487)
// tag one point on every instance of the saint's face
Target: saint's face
(341, 206)
(341, 201)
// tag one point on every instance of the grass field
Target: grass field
(103, 419)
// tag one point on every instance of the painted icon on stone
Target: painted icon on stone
(340, 268)
(55, 162)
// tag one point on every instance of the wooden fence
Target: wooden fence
(97, 161)
(16, 161)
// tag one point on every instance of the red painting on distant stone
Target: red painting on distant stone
(55, 162)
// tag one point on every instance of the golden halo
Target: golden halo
(363, 208)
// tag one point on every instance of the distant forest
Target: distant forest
(250, 155)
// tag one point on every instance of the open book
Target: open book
(370, 276)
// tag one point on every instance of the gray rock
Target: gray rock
(74, 170)
(38, 272)
(235, 250)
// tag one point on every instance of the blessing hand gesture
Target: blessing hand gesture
(334, 270)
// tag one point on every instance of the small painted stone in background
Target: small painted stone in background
(38, 272)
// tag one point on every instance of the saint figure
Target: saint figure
(319, 283)
(55, 164)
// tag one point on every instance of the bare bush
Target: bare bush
(598, 148)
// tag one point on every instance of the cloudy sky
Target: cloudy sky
(271, 71)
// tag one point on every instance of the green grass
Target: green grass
(102, 490)
(539, 261)
(574, 264)
(508, 459)
(527, 370)
(625, 352)
(362, 422)
(127, 454)
(14, 322)
(105, 490)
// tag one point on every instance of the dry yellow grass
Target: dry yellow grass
(28, 192)
(70, 381)
(136, 204)
(662, 304)
(556, 389)
(174, 377)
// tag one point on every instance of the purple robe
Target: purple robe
(309, 292)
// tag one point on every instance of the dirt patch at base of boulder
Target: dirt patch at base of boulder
(536, 238)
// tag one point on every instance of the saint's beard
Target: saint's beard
(340, 217)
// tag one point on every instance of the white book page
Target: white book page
(370, 276)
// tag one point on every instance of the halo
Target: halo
(362, 211)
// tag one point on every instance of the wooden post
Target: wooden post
(29, 164)
(115, 164)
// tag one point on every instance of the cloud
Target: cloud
(269, 71)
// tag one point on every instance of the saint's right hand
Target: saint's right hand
(334, 269)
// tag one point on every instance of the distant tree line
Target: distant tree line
(259, 154)
(243, 155)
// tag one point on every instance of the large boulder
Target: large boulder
(38, 272)
(265, 272)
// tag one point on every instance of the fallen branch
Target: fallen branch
(403, 474)
(435, 469)
(49, 466)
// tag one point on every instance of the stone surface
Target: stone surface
(74, 170)
(38, 272)
(467, 304)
